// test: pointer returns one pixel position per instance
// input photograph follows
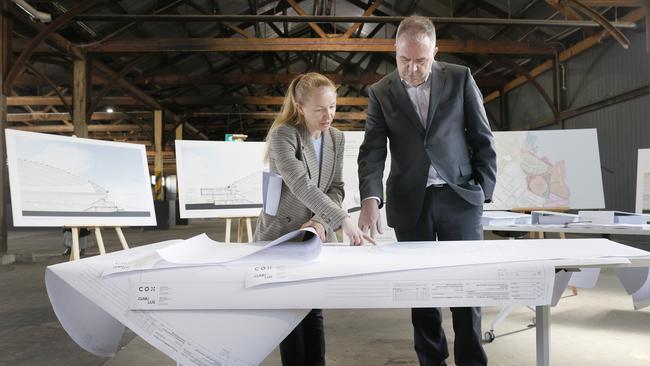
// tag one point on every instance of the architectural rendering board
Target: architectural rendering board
(59, 180)
(643, 182)
(548, 169)
(353, 140)
(352, 200)
(219, 179)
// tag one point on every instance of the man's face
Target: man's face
(414, 58)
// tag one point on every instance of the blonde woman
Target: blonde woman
(307, 152)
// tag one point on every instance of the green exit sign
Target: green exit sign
(236, 137)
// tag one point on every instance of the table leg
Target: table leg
(542, 330)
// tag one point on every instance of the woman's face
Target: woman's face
(318, 109)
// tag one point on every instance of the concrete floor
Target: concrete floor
(597, 327)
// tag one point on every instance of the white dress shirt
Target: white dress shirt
(420, 97)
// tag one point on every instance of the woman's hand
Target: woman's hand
(356, 235)
(320, 230)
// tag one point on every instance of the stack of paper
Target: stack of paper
(552, 218)
(504, 218)
(612, 218)
(200, 250)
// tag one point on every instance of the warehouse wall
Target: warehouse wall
(602, 72)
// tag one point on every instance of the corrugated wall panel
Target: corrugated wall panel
(606, 70)
(622, 130)
(526, 104)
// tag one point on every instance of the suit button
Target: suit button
(288, 219)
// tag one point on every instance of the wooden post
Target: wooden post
(179, 132)
(249, 228)
(158, 159)
(74, 254)
(120, 235)
(5, 60)
(81, 89)
(240, 230)
(100, 241)
(228, 224)
(503, 109)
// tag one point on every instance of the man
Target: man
(443, 170)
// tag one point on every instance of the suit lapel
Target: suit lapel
(437, 82)
(309, 154)
(327, 160)
(404, 102)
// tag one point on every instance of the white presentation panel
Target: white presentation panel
(59, 180)
(219, 179)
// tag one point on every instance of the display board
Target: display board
(353, 140)
(219, 179)
(69, 181)
(548, 169)
(352, 201)
(643, 182)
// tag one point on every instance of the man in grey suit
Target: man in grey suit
(443, 169)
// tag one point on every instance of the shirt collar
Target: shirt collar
(408, 85)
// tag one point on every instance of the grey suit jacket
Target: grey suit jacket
(307, 191)
(457, 141)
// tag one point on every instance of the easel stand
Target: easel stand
(240, 228)
(74, 252)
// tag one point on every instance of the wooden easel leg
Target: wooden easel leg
(562, 235)
(228, 224)
(100, 241)
(532, 234)
(74, 254)
(240, 230)
(249, 229)
(120, 235)
(541, 235)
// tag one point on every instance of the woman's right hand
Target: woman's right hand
(356, 235)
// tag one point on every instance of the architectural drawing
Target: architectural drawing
(57, 181)
(219, 179)
(643, 182)
(547, 169)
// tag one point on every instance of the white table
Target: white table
(574, 229)
(543, 318)
(96, 309)
(542, 313)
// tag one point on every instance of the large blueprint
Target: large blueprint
(200, 314)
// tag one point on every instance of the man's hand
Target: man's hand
(369, 219)
(356, 236)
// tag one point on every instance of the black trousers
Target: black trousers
(446, 216)
(305, 345)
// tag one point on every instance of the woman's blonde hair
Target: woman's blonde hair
(300, 86)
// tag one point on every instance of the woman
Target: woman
(307, 153)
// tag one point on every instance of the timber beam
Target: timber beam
(578, 48)
(308, 45)
(182, 100)
(97, 116)
(271, 115)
